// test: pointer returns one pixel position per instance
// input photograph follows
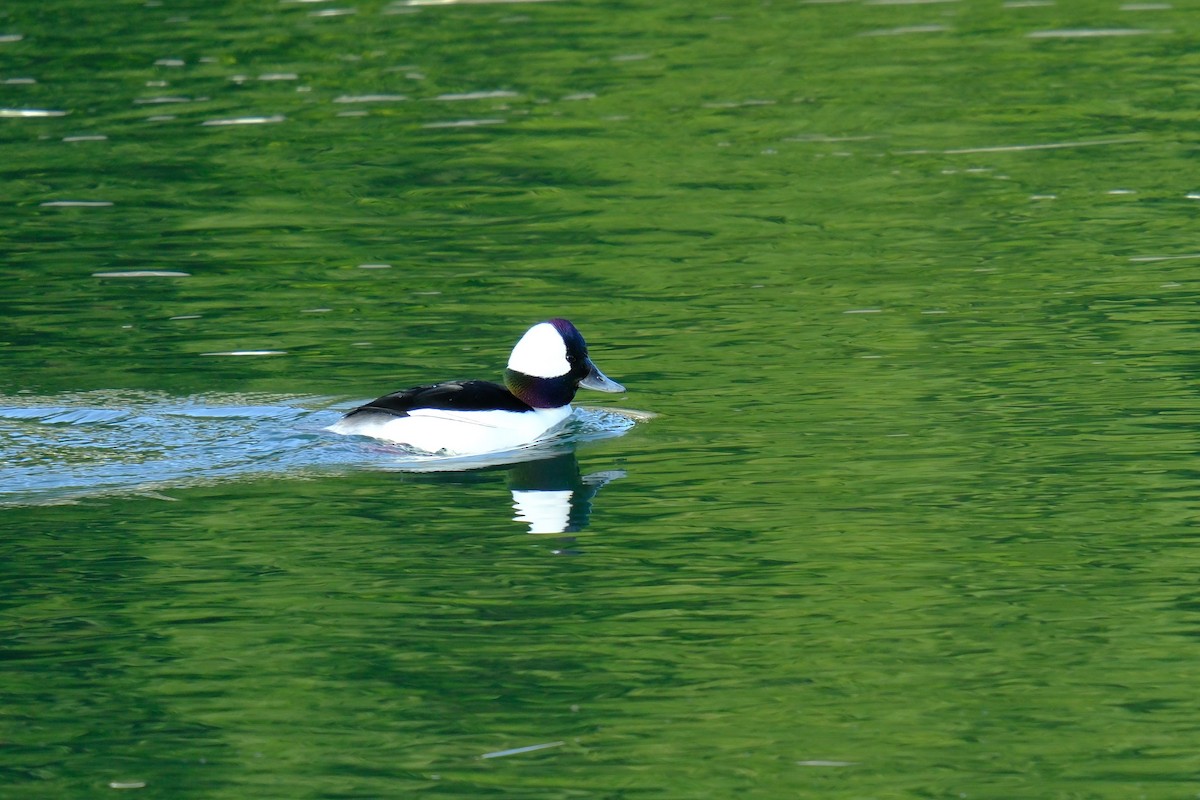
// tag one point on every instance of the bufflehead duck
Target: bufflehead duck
(545, 370)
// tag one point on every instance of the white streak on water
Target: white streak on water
(820, 137)
(527, 749)
(1092, 33)
(905, 30)
(462, 2)
(154, 101)
(475, 95)
(1146, 259)
(370, 98)
(248, 353)
(142, 273)
(1016, 148)
(76, 204)
(464, 123)
(245, 120)
(738, 104)
(30, 112)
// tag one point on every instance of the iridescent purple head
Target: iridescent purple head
(550, 363)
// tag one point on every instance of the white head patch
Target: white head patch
(541, 353)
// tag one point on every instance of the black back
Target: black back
(453, 395)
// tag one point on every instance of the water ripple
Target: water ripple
(62, 449)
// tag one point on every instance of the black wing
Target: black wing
(456, 395)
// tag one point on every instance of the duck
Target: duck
(548, 365)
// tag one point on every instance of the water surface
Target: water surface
(909, 286)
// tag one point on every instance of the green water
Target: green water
(911, 288)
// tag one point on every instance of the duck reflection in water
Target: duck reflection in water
(550, 495)
(549, 492)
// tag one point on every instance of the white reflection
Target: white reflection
(544, 512)
(551, 496)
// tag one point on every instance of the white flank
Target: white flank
(440, 430)
(541, 353)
